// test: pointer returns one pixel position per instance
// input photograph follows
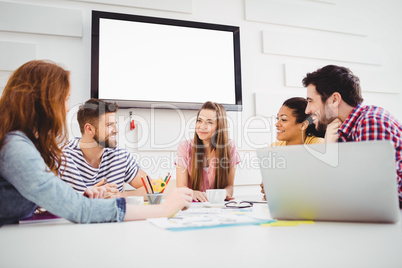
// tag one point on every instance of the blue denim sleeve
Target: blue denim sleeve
(121, 207)
(23, 167)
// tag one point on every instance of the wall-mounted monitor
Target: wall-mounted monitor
(144, 62)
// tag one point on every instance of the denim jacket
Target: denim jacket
(26, 182)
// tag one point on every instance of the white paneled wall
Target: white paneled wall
(280, 42)
(306, 14)
(185, 6)
(14, 54)
(371, 80)
(40, 19)
(333, 47)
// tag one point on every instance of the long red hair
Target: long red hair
(33, 102)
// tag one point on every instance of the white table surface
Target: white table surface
(141, 244)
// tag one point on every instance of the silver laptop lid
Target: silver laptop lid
(354, 181)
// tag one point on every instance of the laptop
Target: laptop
(353, 181)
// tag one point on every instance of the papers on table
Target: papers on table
(202, 217)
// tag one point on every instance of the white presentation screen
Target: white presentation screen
(138, 61)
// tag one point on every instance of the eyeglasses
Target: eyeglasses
(242, 204)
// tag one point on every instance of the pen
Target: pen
(150, 185)
(166, 184)
(101, 183)
(145, 185)
(167, 176)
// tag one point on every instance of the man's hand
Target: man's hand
(331, 134)
(102, 190)
(137, 192)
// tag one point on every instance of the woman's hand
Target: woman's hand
(229, 197)
(199, 196)
(178, 199)
(229, 192)
(262, 191)
(95, 192)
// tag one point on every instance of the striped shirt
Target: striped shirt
(117, 166)
(367, 123)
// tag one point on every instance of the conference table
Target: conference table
(142, 244)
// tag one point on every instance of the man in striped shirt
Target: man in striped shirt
(335, 104)
(94, 161)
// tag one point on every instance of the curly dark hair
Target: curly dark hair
(298, 106)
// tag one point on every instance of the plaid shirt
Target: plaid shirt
(367, 123)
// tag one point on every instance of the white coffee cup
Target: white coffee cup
(216, 196)
(135, 200)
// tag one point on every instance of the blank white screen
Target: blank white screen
(153, 62)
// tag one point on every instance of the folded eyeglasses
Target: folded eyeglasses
(242, 204)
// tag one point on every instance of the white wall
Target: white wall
(280, 42)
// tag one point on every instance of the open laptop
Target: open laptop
(353, 181)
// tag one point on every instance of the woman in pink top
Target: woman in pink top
(211, 153)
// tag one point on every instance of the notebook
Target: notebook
(353, 181)
(42, 217)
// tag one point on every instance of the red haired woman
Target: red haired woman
(33, 111)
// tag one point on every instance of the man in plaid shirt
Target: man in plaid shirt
(335, 104)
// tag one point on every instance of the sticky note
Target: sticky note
(286, 223)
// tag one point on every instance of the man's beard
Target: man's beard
(106, 143)
(323, 124)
